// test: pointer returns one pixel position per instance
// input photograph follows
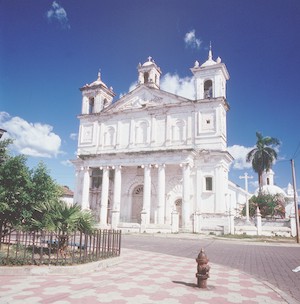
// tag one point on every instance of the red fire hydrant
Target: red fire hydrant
(202, 269)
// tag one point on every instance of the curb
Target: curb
(59, 270)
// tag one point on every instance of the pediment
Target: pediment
(144, 97)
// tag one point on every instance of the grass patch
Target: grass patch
(258, 238)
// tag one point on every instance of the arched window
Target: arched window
(105, 103)
(178, 130)
(141, 132)
(109, 137)
(91, 105)
(146, 77)
(208, 92)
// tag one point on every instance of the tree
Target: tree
(263, 155)
(3, 149)
(269, 205)
(22, 190)
(15, 189)
(59, 216)
(62, 219)
(31, 199)
(44, 187)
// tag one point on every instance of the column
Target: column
(146, 195)
(117, 198)
(118, 135)
(199, 189)
(218, 182)
(186, 196)
(161, 194)
(104, 196)
(153, 130)
(76, 198)
(101, 135)
(174, 222)
(132, 133)
(293, 225)
(231, 221)
(85, 204)
(258, 221)
(168, 130)
(189, 129)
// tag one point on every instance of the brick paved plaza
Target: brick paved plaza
(162, 270)
(268, 261)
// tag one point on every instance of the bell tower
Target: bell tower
(210, 78)
(149, 73)
(96, 96)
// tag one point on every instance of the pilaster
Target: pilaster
(85, 204)
(161, 194)
(117, 198)
(104, 196)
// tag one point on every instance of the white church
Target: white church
(153, 161)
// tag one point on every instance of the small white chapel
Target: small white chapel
(153, 161)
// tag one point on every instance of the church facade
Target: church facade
(153, 161)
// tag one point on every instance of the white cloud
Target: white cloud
(254, 184)
(58, 14)
(239, 153)
(73, 136)
(184, 87)
(191, 40)
(33, 139)
(66, 163)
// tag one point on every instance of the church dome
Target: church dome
(97, 82)
(268, 185)
(272, 190)
(149, 62)
(209, 61)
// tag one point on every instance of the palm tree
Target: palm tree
(263, 155)
(62, 219)
(58, 215)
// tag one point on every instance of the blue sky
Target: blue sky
(49, 49)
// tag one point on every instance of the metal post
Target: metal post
(295, 200)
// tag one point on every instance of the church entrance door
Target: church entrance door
(178, 205)
(137, 204)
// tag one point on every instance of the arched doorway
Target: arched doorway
(137, 204)
(178, 205)
(208, 89)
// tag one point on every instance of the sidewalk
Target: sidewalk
(139, 277)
